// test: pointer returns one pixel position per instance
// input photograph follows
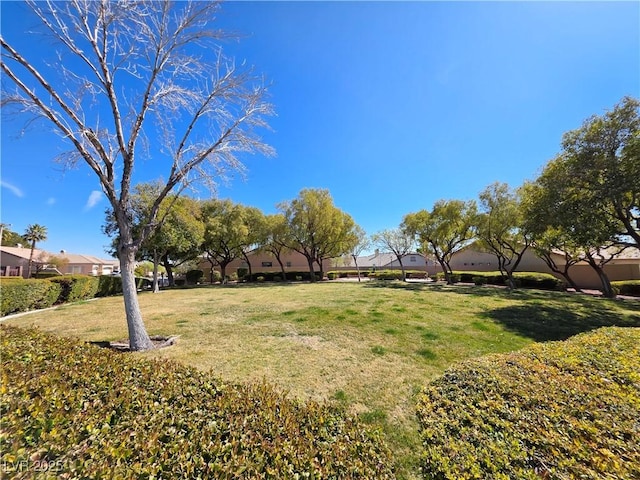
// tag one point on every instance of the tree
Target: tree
(444, 231)
(276, 239)
(33, 234)
(361, 243)
(257, 233)
(500, 228)
(559, 217)
(10, 238)
(398, 241)
(227, 233)
(316, 228)
(133, 71)
(602, 162)
(178, 233)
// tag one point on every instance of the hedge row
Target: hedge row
(542, 281)
(277, 276)
(20, 295)
(557, 410)
(378, 274)
(86, 412)
(627, 287)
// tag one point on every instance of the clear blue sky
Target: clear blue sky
(389, 105)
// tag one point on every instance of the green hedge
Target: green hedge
(397, 274)
(557, 410)
(627, 287)
(92, 413)
(277, 276)
(20, 295)
(542, 281)
(76, 287)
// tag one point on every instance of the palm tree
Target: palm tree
(34, 233)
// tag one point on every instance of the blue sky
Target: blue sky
(389, 105)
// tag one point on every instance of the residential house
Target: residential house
(14, 261)
(388, 261)
(624, 266)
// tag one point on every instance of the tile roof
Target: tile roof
(73, 258)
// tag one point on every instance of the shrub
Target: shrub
(93, 413)
(215, 276)
(194, 276)
(76, 287)
(108, 286)
(242, 272)
(477, 280)
(555, 410)
(627, 287)
(21, 295)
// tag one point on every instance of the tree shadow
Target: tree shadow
(544, 323)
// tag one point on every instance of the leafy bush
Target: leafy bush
(290, 276)
(542, 281)
(396, 274)
(112, 285)
(242, 272)
(108, 286)
(555, 410)
(76, 287)
(93, 413)
(194, 276)
(627, 287)
(21, 295)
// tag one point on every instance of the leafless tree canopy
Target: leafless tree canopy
(131, 74)
(130, 71)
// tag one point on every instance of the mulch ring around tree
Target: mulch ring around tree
(159, 341)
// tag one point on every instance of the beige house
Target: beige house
(265, 262)
(625, 266)
(14, 262)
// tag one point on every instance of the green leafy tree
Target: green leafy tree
(316, 228)
(602, 164)
(500, 228)
(177, 236)
(449, 227)
(559, 219)
(227, 233)
(33, 234)
(133, 71)
(10, 238)
(257, 233)
(275, 239)
(397, 241)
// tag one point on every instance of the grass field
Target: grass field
(369, 347)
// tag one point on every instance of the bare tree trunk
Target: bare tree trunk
(310, 261)
(284, 274)
(355, 260)
(404, 274)
(156, 260)
(138, 337)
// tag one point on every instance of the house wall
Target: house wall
(584, 276)
(265, 262)
(12, 264)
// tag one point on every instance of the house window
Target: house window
(288, 264)
(267, 264)
(76, 269)
(412, 259)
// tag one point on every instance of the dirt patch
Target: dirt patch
(159, 341)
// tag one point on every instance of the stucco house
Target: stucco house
(624, 266)
(388, 260)
(14, 261)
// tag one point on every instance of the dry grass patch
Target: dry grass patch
(370, 348)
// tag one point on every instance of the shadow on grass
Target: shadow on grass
(549, 322)
(539, 314)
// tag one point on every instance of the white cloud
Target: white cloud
(51, 201)
(94, 198)
(12, 188)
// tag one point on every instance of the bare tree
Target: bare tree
(398, 241)
(132, 80)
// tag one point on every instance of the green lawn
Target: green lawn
(368, 346)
